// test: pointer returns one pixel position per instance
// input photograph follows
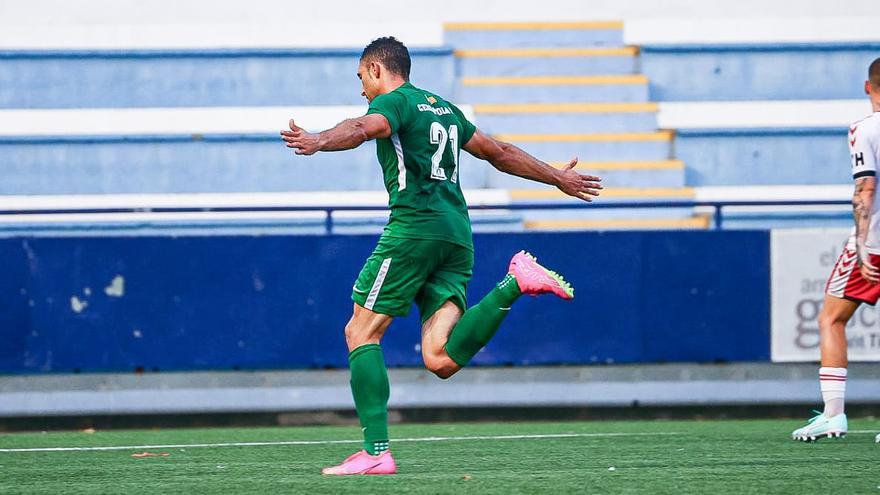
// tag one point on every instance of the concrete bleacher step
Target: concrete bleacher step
(199, 77)
(614, 174)
(609, 217)
(763, 71)
(652, 197)
(694, 222)
(527, 34)
(655, 145)
(285, 213)
(566, 117)
(186, 163)
(553, 93)
(607, 210)
(543, 61)
(765, 156)
(254, 162)
(620, 194)
(554, 89)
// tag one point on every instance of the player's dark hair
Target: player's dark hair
(391, 53)
(874, 73)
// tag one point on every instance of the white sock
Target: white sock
(832, 382)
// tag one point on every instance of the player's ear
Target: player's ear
(867, 87)
(375, 69)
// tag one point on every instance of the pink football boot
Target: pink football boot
(364, 463)
(534, 279)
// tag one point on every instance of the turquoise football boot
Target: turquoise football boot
(820, 426)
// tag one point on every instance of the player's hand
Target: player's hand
(869, 272)
(580, 186)
(302, 142)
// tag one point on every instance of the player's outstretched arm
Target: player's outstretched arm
(512, 160)
(863, 203)
(346, 135)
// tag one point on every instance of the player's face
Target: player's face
(369, 83)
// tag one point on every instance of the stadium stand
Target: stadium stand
(165, 119)
(572, 89)
(154, 122)
(771, 115)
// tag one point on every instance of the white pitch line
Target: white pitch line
(331, 442)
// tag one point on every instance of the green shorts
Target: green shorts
(425, 271)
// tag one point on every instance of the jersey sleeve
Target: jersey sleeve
(391, 106)
(467, 127)
(862, 152)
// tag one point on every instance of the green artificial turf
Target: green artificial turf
(654, 457)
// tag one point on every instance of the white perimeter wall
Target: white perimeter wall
(338, 23)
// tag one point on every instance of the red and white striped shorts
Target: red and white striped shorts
(846, 281)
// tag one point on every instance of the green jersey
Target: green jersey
(420, 165)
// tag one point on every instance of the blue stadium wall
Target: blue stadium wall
(271, 302)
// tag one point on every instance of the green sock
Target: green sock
(369, 386)
(480, 322)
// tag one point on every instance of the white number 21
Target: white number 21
(440, 136)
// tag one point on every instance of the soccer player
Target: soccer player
(855, 278)
(425, 254)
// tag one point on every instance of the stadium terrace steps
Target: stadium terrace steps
(186, 163)
(566, 117)
(674, 217)
(142, 214)
(568, 89)
(731, 72)
(177, 164)
(198, 77)
(623, 194)
(740, 157)
(755, 143)
(544, 61)
(696, 222)
(604, 146)
(574, 89)
(529, 34)
(659, 174)
(168, 150)
(259, 162)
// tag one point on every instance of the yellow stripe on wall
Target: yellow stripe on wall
(664, 135)
(555, 80)
(612, 192)
(495, 108)
(529, 26)
(699, 222)
(628, 51)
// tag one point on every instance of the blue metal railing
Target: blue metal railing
(717, 207)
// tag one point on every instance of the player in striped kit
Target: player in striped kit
(855, 278)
